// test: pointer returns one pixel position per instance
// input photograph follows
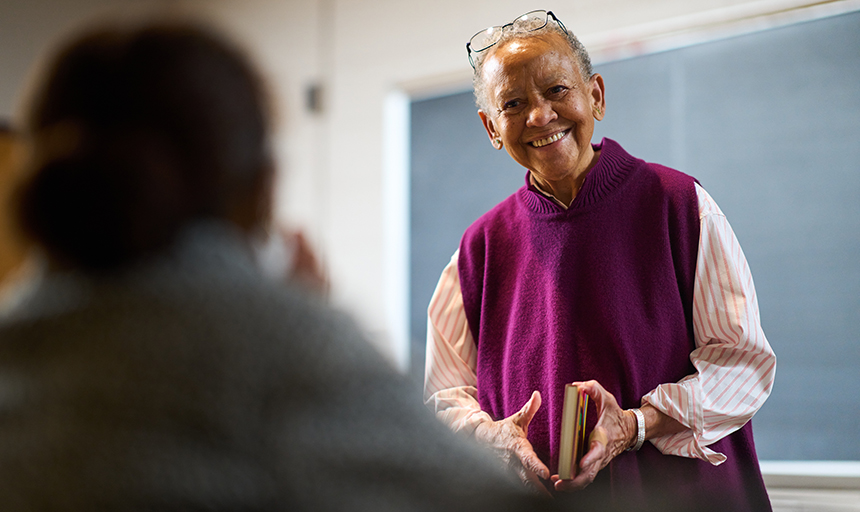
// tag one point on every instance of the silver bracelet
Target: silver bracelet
(640, 436)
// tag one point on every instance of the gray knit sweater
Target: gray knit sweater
(189, 382)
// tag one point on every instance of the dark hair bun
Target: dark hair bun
(99, 206)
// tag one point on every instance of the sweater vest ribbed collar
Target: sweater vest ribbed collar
(612, 167)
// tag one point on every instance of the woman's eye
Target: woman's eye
(557, 89)
(511, 104)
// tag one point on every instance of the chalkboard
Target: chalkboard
(770, 125)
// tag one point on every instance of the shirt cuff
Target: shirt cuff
(687, 444)
(458, 409)
(682, 402)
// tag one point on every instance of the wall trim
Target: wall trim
(395, 214)
(811, 474)
(705, 26)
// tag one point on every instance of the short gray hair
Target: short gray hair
(523, 31)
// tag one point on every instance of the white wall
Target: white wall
(364, 52)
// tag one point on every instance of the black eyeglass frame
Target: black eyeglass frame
(501, 28)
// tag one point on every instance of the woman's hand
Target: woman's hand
(507, 437)
(613, 433)
(306, 268)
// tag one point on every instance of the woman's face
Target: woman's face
(540, 106)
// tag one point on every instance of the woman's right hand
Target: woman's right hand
(507, 438)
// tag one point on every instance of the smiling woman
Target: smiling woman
(606, 271)
(541, 110)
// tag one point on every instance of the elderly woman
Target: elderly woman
(155, 367)
(621, 276)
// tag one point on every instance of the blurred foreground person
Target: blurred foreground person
(155, 367)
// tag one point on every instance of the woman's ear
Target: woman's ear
(495, 137)
(598, 97)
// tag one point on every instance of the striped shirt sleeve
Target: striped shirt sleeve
(449, 376)
(734, 362)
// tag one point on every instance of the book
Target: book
(572, 442)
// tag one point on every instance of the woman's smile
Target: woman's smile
(549, 140)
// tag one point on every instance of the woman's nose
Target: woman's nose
(541, 113)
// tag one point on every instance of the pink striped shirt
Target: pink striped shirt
(735, 365)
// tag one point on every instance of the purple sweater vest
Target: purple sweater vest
(600, 291)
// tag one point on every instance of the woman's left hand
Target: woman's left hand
(612, 434)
